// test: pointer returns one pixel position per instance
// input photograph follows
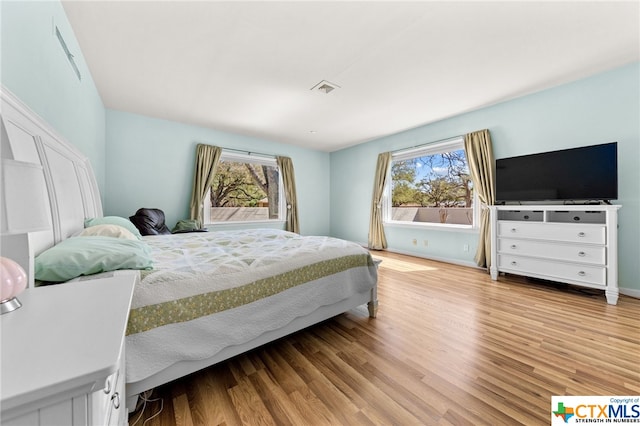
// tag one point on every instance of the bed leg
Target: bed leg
(372, 305)
(132, 403)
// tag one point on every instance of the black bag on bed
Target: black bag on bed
(150, 222)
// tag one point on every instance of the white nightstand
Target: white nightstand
(63, 354)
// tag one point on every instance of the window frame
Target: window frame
(447, 145)
(258, 159)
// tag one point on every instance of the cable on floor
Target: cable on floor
(143, 400)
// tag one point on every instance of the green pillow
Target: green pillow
(78, 256)
(186, 225)
(113, 220)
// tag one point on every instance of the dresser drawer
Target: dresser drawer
(565, 272)
(101, 400)
(590, 254)
(569, 232)
(117, 415)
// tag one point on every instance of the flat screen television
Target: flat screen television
(586, 174)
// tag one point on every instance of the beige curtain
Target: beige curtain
(207, 157)
(377, 239)
(288, 178)
(477, 146)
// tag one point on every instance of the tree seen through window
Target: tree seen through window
(245, 191)
(430, 187)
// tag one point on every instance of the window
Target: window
(246, 188)
(431, 185)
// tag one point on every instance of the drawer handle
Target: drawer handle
(514, 263)
(513, 246)
(582, 254)
(513, 229)
(582, 273)
(115, 399)
(107, 386)
(581, 234)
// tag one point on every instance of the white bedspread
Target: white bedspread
(178, 312)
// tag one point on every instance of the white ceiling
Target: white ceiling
(248, 67)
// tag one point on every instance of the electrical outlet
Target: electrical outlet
(425, 243)
(415, 242)
(465, 247)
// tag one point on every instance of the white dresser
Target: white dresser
(575, 244)
(63, 354)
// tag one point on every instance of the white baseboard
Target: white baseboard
(631, 292)
(438, 259)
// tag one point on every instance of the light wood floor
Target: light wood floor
(449, 347)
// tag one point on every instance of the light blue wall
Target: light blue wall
(150, 163)
(35, 68)
(599, 109)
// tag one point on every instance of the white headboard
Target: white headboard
(72, 189)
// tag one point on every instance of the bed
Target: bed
(209, 295)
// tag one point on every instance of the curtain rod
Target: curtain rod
(244, 151)
(427, 143)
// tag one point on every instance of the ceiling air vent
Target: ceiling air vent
(325, 87)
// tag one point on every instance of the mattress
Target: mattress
(208, 291)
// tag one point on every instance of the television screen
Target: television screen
(588, 173)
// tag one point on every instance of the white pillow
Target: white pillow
(114, 231)
(113, 220)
